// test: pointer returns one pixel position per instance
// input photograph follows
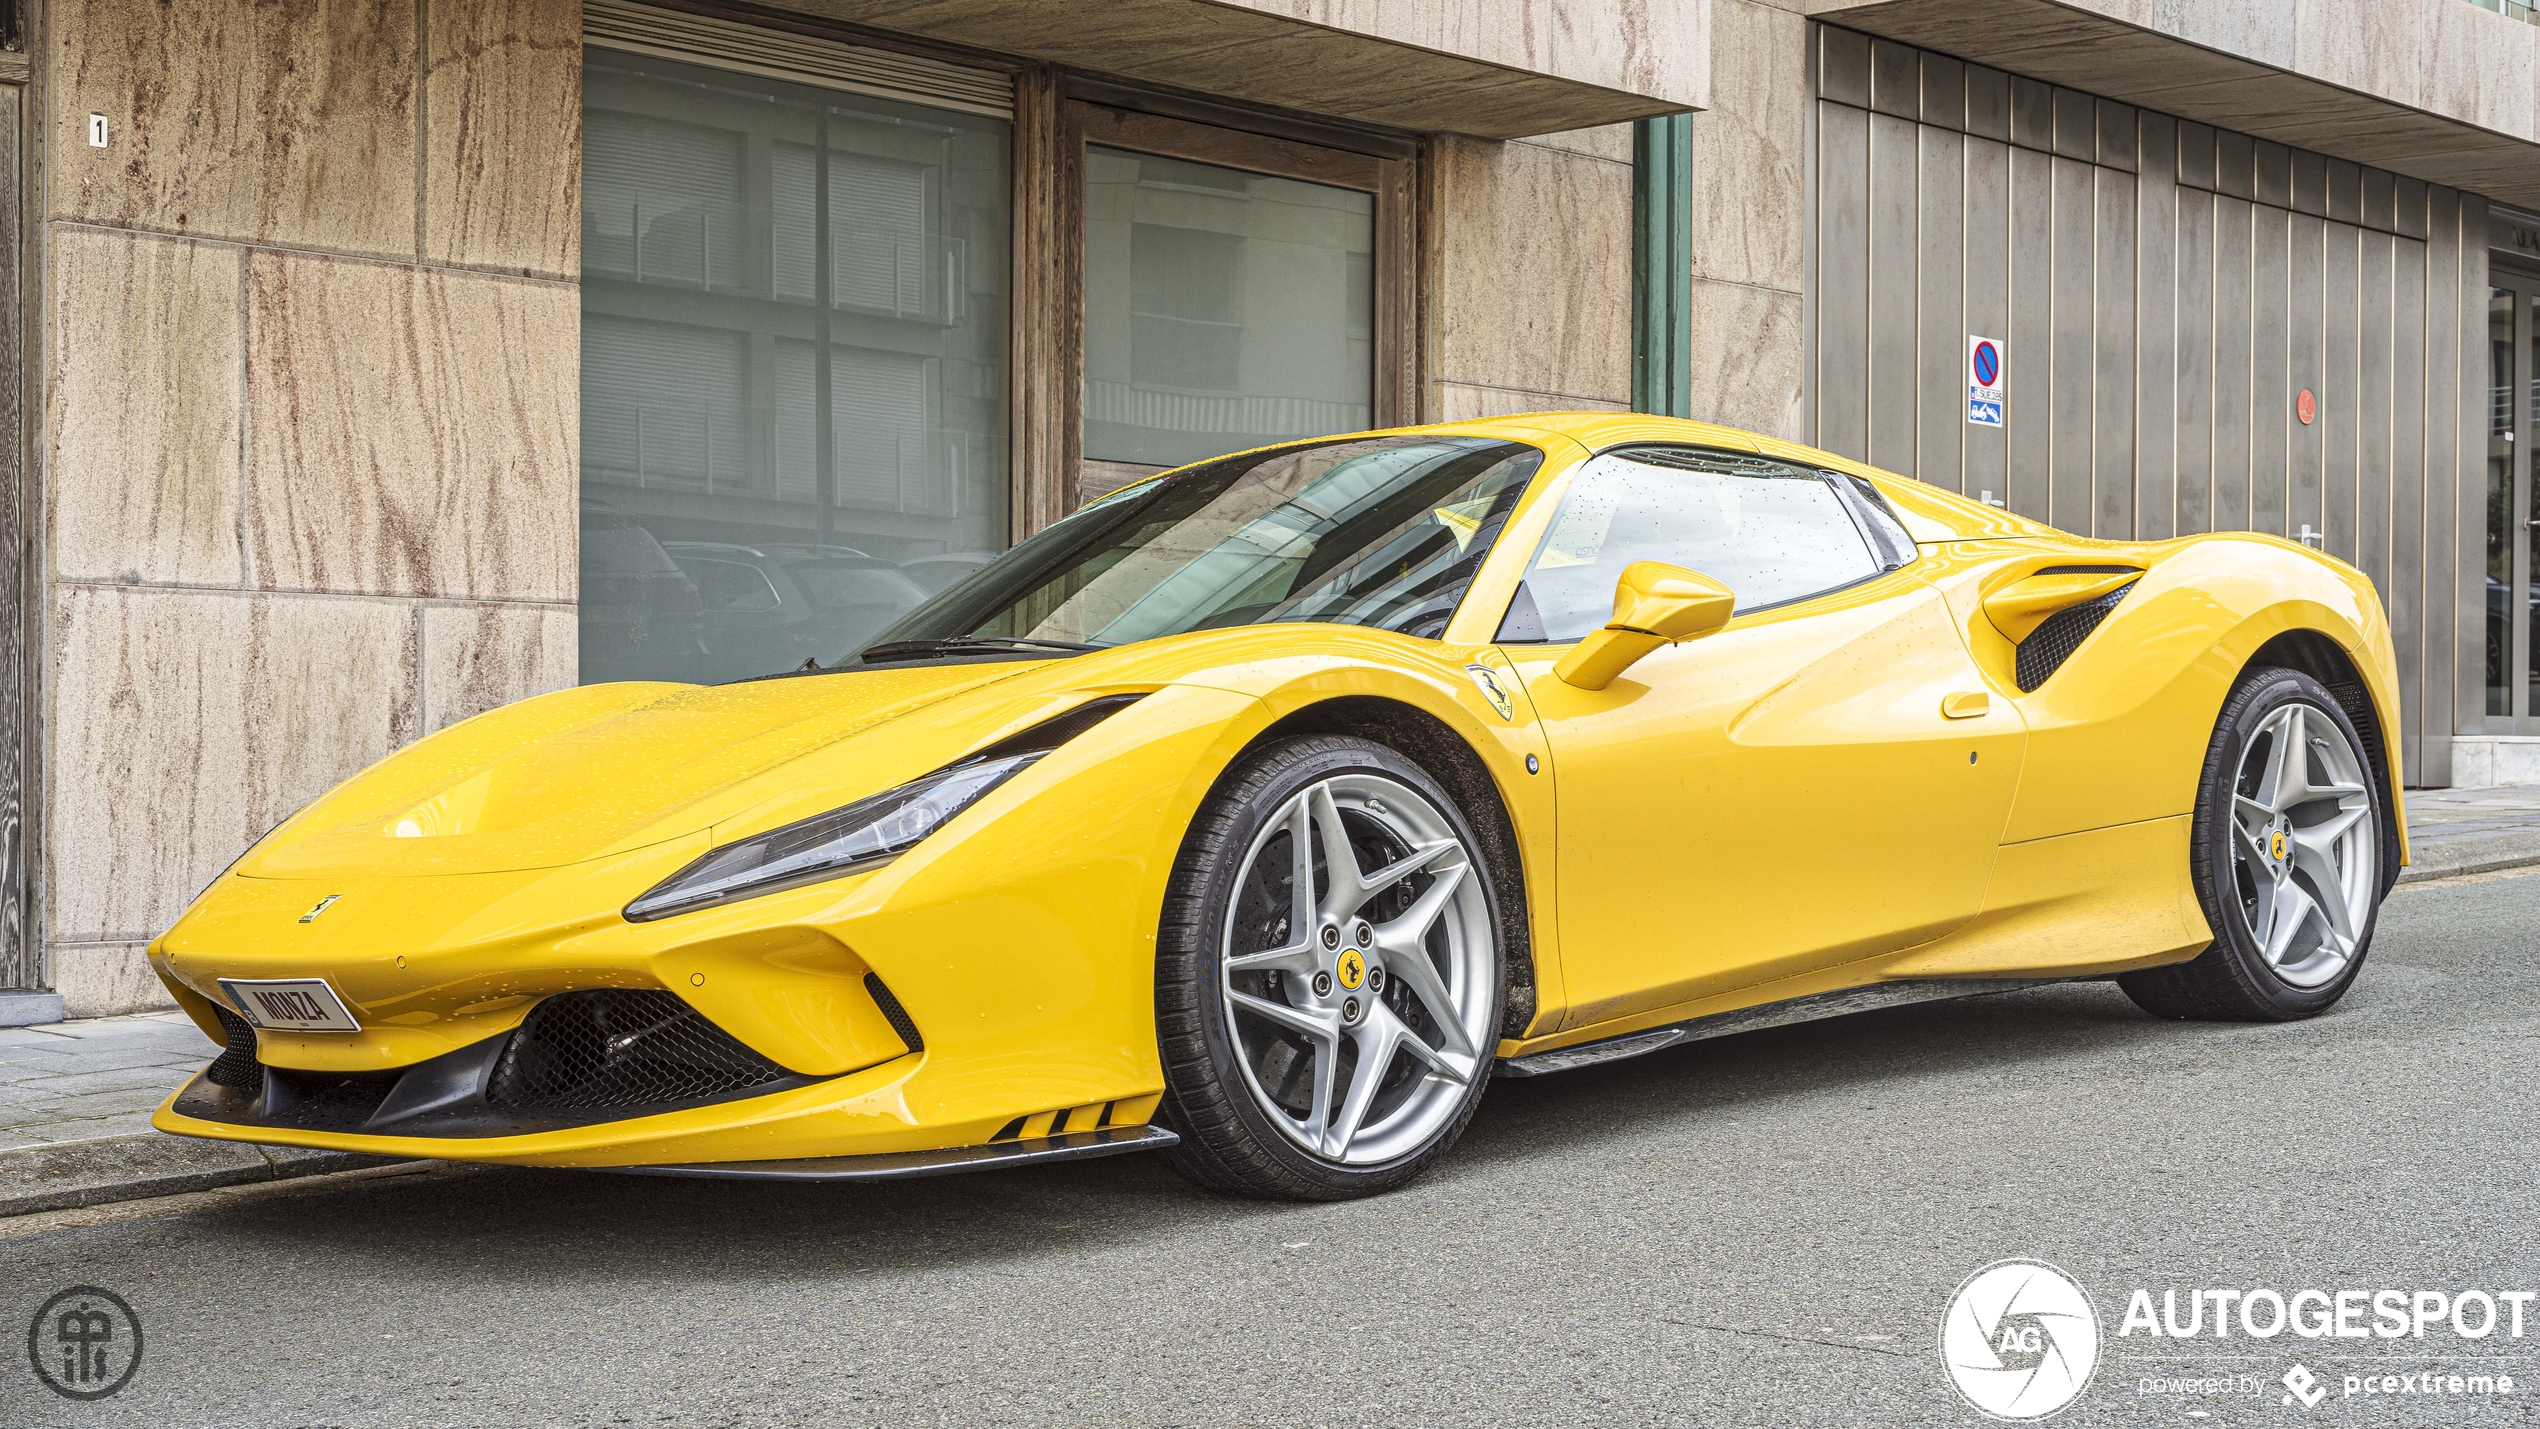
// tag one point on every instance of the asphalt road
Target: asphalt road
(1757, 1230)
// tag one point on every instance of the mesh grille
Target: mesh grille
(897, 1014)
(236, 1067)
(334, 1103)
(621, 1051)
(2052, 643)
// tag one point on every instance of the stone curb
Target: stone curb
(66, 1175)
(2486, 854)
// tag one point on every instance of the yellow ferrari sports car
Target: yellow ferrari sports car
(1264, 811)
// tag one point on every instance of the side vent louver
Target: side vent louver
(2053, 642)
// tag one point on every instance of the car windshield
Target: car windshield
(1382, 531)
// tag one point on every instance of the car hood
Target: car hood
(606, 769)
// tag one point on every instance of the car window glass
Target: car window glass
(730, 586)
(1770, 533)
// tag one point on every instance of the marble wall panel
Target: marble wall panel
(1749, 358)
(187, 723)
(411, 431)
(141, 409)
(289, 121)
(1749, 150)
(1531, 274)
(503, 135)
(478, 657)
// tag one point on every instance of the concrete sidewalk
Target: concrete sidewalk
(76, 1097)
(75, 1104)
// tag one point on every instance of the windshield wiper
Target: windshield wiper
(965, 644)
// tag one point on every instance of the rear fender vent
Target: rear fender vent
(624, 1051)
(2054, 641)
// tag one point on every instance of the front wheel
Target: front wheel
(1328, 975)
(2286, 859)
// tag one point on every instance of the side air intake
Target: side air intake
(2053, 642)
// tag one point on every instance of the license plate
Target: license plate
(291, 1005)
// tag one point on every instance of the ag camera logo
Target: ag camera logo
(2020, 1340)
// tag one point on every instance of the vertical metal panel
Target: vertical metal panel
(2270, 348)
(2113, 357)
(1989, 103)
(2469, 588)
(1843, 66)
(2076, 125)
(2031, 393)
(2273, 175)
(2116, 135)
(2346, 191)
(2195, 492)
(2310, 183)
(1945, 92)
(2345, 396)
(2195, 154)
(2306, 321)
(2235, 164)
(2408, 200)
(2156, 386)
(2409, 383)
(2074, 353)
(1896, 79)
(2032, 114)
(1988, 300)
(2377, 376)
(2235, 336)
(1843, 277)
(1892, 384)
(1941, 260)
(2381, 200)
(2440, 217)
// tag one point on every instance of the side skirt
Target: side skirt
(1840, 1003)
(909, 1165)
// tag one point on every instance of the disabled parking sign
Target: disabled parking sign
(1987, 375)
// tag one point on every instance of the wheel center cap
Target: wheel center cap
(2279, 845)
(1352, 969)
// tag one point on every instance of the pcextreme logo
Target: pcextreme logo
(2020, 1340)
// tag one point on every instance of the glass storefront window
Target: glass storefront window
(2500, 500)
(1223, 309)
(794, 318)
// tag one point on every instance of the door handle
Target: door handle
(1966, 705)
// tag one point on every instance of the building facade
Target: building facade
(369, 365)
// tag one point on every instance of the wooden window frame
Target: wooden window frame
(1048, 409)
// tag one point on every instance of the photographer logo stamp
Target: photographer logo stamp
(2020, 1340)
(85, 1343)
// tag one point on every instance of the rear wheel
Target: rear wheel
(2286, 859)
(1328, 975)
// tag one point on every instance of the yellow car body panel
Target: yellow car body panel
(1846, 790)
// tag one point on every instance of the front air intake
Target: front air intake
(2054, 641)
(236, 1067)
(622, 1051)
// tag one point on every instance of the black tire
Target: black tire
(2231, 981)
(1228, 1143)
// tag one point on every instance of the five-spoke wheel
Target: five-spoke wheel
(1334, 973)
(2286, 856)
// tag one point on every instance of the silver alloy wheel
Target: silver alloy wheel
(1358, 1000)
(2304, 852)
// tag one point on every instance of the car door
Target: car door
(1823, 779)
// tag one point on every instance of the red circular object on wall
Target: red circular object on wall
(2306, 407)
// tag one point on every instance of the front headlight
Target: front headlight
(865, 834)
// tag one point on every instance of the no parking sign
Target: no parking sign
(1988, 372)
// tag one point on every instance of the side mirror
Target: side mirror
(1654, 604)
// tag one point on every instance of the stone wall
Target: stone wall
(310, 420)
